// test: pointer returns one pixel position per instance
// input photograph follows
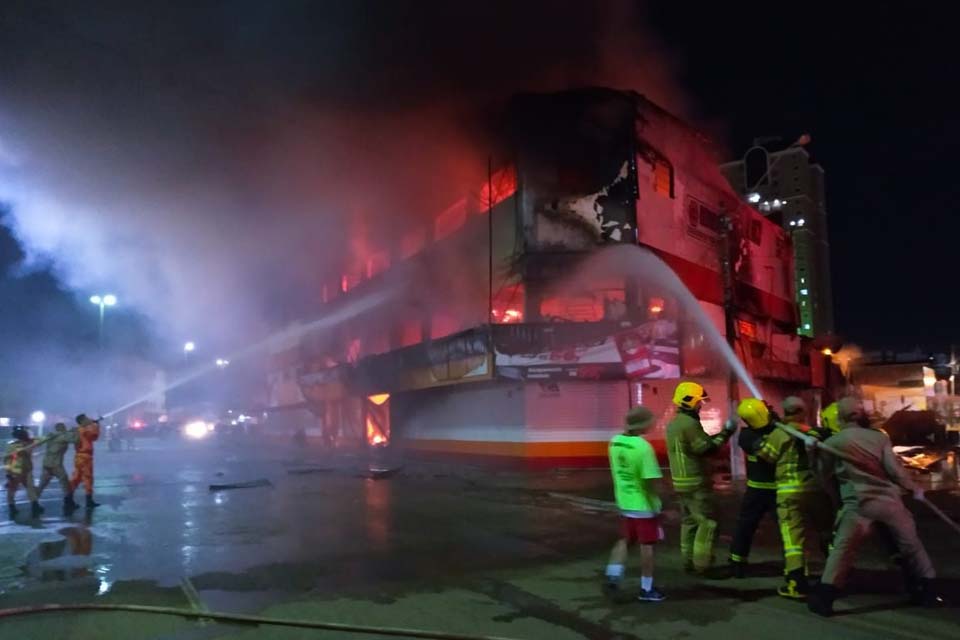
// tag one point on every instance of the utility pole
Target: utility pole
(737, 470)
(490, 239)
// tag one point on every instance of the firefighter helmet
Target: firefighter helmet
(754, 412)
(689, 395)
(830, 418)
(20, 433)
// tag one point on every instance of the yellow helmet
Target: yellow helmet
(754, 412)
(689, 394)
(830, 418)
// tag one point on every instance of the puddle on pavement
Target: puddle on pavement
(69, 558)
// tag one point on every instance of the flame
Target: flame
(374, 435)
(379, 398)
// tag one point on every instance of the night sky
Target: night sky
(875, 91)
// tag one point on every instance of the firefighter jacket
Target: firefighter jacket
(761, 473)
(793, 473)
(875, 474)
(18, 458)
(687, 444)
(57, 447)
(86, 436)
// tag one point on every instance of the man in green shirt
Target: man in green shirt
(635, 470)
(53, 463)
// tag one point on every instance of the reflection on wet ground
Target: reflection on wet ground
(336, 534)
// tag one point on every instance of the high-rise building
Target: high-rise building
(788, 188)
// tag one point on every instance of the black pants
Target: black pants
(756, 503)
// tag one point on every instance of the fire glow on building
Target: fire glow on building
(494, 358)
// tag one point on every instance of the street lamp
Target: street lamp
(189, 347)
(222, 363)
(103, 302)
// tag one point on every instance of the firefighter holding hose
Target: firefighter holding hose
(88, 431)
(18, 465)
(760, 498)
(803, 512)
(871, 480)
(687, 446)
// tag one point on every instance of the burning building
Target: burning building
(513, 346)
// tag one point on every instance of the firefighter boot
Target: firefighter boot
(821, 600)
(794, 585)
(69, 504)
(925, 595)
(90, 503)
(35, 509)
(738, 569)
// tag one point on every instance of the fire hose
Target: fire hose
(839, 454)
(244, 619)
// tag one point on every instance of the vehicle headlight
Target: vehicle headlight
(196, 429)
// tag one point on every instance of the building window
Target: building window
(663, 178)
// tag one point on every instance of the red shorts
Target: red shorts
(642, 530)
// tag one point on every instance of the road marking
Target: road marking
(190, 592)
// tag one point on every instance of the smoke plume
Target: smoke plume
(213, 165)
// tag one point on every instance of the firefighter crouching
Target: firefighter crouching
(687, 445)
(760, 497)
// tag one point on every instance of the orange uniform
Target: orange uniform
(83, 461)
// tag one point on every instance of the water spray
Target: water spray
(347, 312)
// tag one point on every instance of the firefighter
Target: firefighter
(87, 433)
(760, 498)
(53, 463)
(18, 465)
(870, 490)
(687, 445)
(803, 512)
(829, 421)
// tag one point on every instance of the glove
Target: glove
(918, 494)
(730, 425)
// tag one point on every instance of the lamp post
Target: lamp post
(103, 302)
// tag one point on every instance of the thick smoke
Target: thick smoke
(214, 164)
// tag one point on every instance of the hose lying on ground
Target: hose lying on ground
(839, 454)
(243, 619)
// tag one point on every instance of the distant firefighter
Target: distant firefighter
(87, 433)
(57, 446)
(18, 465)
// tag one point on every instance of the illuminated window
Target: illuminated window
(663, 178)
(747, 329)
(504, 183)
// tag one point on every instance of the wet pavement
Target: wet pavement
(435, 547)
